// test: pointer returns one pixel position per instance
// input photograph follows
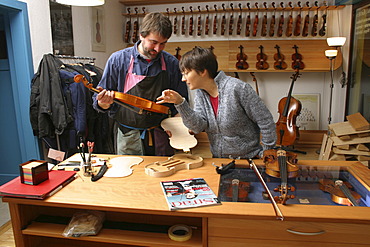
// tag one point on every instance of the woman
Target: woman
(226, 108)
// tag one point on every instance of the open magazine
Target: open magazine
(188, 193)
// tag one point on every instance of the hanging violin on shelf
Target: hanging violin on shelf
(206, 29)
(298, 21)
(297, 63)
(306, 21)
(199, 32)
(289, 108)
(191, 22)
(240, 21)
(281, 21)
(175, 22)
(279, 60)
(242, 59)
(322, 30)
(315, 21)
(178, 56)
(261, 60)
(264, 22)
(272, 22)
(289, 28)
(128, 27)
(223, 21)
(231, 21)
(135, 35)
(183, 20)
(248, 22)
(215, 21)
(255, 23)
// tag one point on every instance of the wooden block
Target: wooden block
(328, 149)
(365, 134)
(323, 146)
(345, 137)
(340, 157)
(343, 147)
(344, 128)
(358, 122)
(354, 140)
(351, 151)
(362, 147)
(363, 158)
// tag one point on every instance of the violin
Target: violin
(199, 32)
(315, 21)
(282, 164)
(255, 82)
(306, 22)
(248, 22)
(242, 59)
(297, 63)
(223, 21)
(264, 22)
(340, 192)
(175, 22)
(289, 27)
(255, 23)
(126, 99)
(289, 108)
(231, 21)
(128, 27)
(191, 22)
(215, 21)
(298, 22)
(206, 31)
(183, 29)
(240, 21)
(322, 30)
(135, 36)
(238, 191)
(178, 56)
(279, 60)
(281, 22)
(173, 164)
(272, 22)
(261, 60)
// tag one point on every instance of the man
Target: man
(226, 108)
(143, 70)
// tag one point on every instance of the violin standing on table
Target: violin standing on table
(242, 59)
(289, 108)
(261, 60)
(281, 164)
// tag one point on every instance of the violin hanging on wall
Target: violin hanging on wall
(183, 24)
(279, 60)
(248, 22)
(255, 23)
(289, 28)
(215, 21)
(322, 30)
(135, 35)
(261, 60)
(298, 21)
(240, 21)
(315, 21)
(191, 22)
(175, 22)
(231, 21)
(128, 27)
(178, 56)
(306, 21)
(242, 59)
(206, 30)
(281, 22)
(297, 63)
(264, 22)
(223, 21)
(199, 32)
(272, 22)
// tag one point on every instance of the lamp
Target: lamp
(336, 41)
(81, 2)
(331, 55)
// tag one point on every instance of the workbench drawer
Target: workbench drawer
(275, 230)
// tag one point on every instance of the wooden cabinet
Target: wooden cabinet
(138, 199)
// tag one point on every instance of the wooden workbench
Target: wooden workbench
(139, 199)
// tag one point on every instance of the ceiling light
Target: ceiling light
(81, 2)
(336, 41)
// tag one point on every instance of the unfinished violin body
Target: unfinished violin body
(173, 164)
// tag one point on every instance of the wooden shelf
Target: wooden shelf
(113, 236)
(312, 51)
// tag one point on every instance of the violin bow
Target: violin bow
(278, 213)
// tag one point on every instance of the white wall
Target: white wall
(272, 86)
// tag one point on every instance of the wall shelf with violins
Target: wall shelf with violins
(245, 34)
(264, 56)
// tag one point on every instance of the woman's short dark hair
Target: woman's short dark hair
(200, 59)
(156, 23)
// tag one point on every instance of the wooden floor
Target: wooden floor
(6, 232)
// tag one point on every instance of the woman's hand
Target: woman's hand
(170, 96)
